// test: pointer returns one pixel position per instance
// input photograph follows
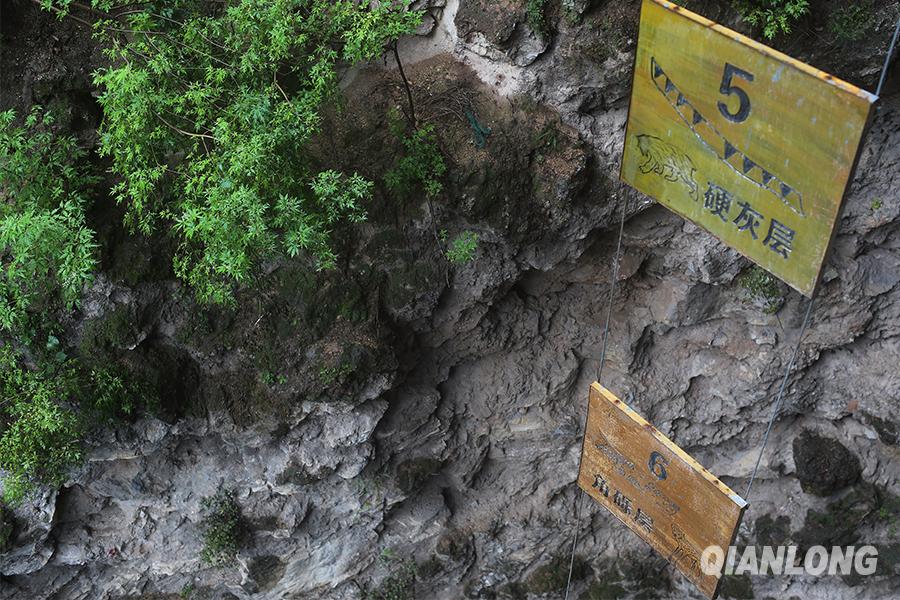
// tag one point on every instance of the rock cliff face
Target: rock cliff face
(404, 429)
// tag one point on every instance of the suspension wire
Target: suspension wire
(779, 400)
(887, 59)
(612, 292)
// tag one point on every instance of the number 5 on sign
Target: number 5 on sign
(752, 145)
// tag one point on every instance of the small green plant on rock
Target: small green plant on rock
(223, 528)
(461, 249)
(850, 23)
(422, 164)
(111, 396)
(772, 16)
(332, 374)
(572, 11)
(399, 585)
(40, 435)
(535, 15)
(762, 286)
(45, 413)
(889, 514)
(876, 204)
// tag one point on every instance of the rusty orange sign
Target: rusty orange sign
(748, 143)
(655, 488)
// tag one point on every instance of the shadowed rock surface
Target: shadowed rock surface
(407, 429)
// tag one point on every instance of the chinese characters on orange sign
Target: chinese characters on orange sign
(655, 488)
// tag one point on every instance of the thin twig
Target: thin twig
(275, 81)
(63, 14)
(182, 131)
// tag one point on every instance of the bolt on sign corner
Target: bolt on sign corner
(754, 146)
(662, 494)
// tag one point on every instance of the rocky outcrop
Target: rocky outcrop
(407, 429)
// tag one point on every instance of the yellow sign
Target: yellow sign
(662, 494)
(748, 143)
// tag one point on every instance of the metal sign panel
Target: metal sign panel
(755, 147)
(657, 490)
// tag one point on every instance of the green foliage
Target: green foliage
(571, 12)
(48, 250)
(330, 375)
(547, 139)
(209, 112)
(772, 16)
(110, 396)
(876, 204)
(850, 23)
(889, 514)
(45, 414)
(223, 528)
(421, 164)
(462, 249)
(40, 436)
(534, 14)
(269, 378)
(762, 286)
(399, 585)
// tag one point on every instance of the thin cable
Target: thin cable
(612, 293)
(780, 399)
(887, 59)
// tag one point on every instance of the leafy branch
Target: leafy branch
(210, 109)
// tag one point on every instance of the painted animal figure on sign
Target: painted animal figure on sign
(667, 161)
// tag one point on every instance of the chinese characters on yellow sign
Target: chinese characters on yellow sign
(655, 488)
(752, 145)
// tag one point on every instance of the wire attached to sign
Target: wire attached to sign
(779, 400)
(887, 59)
(603, 347)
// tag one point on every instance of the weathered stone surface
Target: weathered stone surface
(409, 420)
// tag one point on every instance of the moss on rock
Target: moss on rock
(413, 473)
(551, 577)
(738, 587)
(6, 529)
(824, 465)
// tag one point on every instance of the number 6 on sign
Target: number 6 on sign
(669, 500)
(752, 145)
(657, 465)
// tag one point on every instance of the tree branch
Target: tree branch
(409, 98)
